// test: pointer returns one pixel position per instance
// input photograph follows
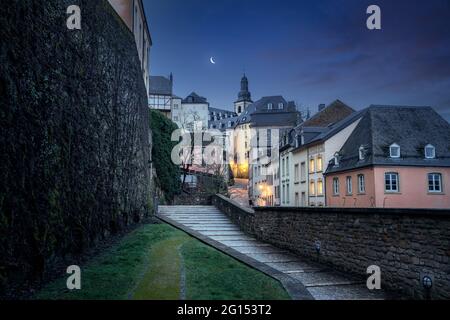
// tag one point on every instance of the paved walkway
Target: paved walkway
(239, 193)
(302, 279)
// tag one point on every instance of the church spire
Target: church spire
(244, 94)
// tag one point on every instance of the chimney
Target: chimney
(321, 107)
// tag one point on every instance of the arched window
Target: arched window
(361, 153)
(430, 151)
(336, 159)
(394, 151)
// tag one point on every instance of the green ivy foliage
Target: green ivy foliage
(168, 174)
(74, 134)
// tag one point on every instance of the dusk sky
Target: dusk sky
(311, 52)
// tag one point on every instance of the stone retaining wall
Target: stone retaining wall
(406, 244)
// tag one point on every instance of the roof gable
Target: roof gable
(412, 128)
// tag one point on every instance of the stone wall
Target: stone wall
(74, 133)
(405, 243)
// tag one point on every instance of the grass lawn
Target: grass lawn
(159, 262)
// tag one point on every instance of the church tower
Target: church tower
(244, 97)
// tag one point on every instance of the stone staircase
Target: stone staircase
(301, 278)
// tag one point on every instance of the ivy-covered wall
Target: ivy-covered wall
(74, 133)
(167, 173)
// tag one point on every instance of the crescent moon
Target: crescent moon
(212, 60)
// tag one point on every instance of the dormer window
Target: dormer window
(394, 151)
(336, 159)
(281, 106)
(361, 153)
(269, 106)
(430, 152)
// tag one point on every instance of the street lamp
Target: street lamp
(427, 282)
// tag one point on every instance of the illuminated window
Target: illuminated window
(312, 166)
(312, 188)
(320, 187)
(319, 164)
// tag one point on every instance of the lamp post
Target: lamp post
(427, 283)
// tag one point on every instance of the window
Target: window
(303, 172)
(434, 182)
(394, 151)
(287, 194)
(319, 164)
(361, 184)
(336, 159)
(175, 106)
(281, 106)
(287, 167)
(320, 187)
(312, 166)
(391, 182)
(175, 118)
(282, 167)
(336, 186)
(296, 173)
(284, 193)
(349, 185)
(361, 153)
(229, 124)
(269, 106)
(430, 152)
(312, 188)
(239, 109)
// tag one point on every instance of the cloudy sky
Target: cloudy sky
(311, 52)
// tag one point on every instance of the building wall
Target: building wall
(413, 191)
(300, 187)
(176, 111)
(406, 244)
(324, 151)
(241, 146)
(356, 199)
(242, 105)
(413, 188)
(135, 19)
(193, 113)
(125, 10)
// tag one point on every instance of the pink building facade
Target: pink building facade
(417, 187)
(397, 157)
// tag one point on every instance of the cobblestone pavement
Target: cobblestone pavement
(321, 282)
(239, 192)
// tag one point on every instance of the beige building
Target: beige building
(133, 15)
(306, 150)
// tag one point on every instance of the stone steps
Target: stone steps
(320, 282)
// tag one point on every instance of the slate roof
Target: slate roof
(412, 128)
(257, 114)
(194, 98)
(227, 112)
(333, 113)
(223, 123)
(314, 135)
(160, 86)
